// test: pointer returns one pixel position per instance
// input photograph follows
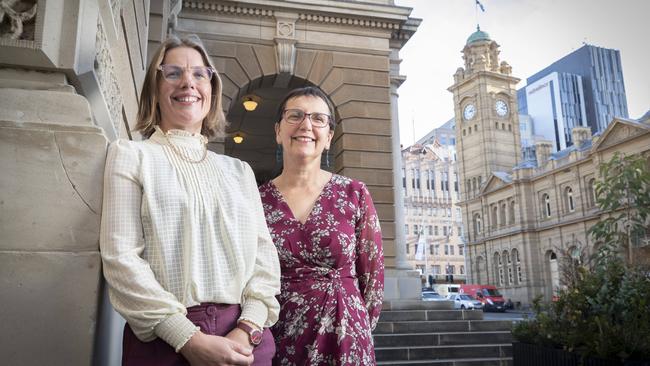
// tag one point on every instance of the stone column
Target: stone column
(401, 282)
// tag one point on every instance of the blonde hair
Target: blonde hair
(214, 123)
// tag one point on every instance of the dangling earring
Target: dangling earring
(278, 154)
(327, 158)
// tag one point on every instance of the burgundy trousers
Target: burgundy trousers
(213, 319)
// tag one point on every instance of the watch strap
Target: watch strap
(254, 334)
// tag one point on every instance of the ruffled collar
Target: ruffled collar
(179, 137)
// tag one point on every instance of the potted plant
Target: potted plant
(601, 315)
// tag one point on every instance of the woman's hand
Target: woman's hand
(208, 350)
(240, 337)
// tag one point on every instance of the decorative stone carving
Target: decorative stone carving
(285, 29)
(107, 78)
(13, 16)
(285, 50)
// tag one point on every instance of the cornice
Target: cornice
(392, 18)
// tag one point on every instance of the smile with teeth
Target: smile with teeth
(303, 138)
(187, 99)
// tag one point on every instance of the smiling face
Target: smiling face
(304, 141)
(185, 104)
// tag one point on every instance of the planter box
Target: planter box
(524, 354)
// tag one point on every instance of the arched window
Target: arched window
(546, 202)
(498, 269)
(591, 192)
(507, 264)
(553, 273)
(570, 203)
(516, 263)
(477, 224)
(494, 217)
(512, 212)
(502, 214)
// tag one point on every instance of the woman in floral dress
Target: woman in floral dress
(327, 233)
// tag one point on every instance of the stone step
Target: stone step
(429, 315)
(442, 326)
(441, 339)
(443, 352)
(500, 361)
(417, 305)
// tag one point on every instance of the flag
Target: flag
(480, 5)
(419, 249)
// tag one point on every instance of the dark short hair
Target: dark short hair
(308, 91)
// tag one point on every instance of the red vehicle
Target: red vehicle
(487, 294)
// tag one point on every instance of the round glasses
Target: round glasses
(296, 116)
(174, 73)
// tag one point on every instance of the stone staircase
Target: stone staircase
(433, 333)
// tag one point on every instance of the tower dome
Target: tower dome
(479, 35)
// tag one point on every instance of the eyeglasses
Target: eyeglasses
(296, 116)
(174, 73)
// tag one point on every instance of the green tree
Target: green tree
(623, 195)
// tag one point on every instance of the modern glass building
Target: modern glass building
(592, 74)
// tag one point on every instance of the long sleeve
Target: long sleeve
(259, 304)
(134, 290)
(370, 257)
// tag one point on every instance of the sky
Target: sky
(532, 34)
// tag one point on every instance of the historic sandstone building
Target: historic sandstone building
(521, 215)
(70, 76)
(433, 218)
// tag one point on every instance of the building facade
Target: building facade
(522, 216)
(588, 90)
(433, 223)
(71, 73)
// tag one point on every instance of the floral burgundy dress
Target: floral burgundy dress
(332, 276)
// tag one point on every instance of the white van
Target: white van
(446, 289)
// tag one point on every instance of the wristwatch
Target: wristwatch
(254, 334)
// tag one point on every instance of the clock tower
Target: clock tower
(487, 120)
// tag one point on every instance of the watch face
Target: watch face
(255, 337)
(501, 107)
(469, 112)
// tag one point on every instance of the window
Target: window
(417, 178)
(448, 211)
(455, 182)
(477, 224)
(517, 265)
(494, 217)
(460, 250)
(568, 192)
(546, 201)
(403, 178)
(451, 250)
(503, 214)
(413, 178)
(444, 230)
(462, 269)
(512, 212)
(431, 249)
(436, 230)
(591, 192)
(446, 249)
(430, 230)
(415, 230)
(406, 229)
(408, 250)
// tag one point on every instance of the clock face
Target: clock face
(469, 112)
(501, 107)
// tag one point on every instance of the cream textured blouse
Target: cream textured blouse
(175, 234)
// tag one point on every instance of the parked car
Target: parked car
(486, 294)
(463, 301)
(432, 296)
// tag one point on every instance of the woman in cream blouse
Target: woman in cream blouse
(185, 247)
